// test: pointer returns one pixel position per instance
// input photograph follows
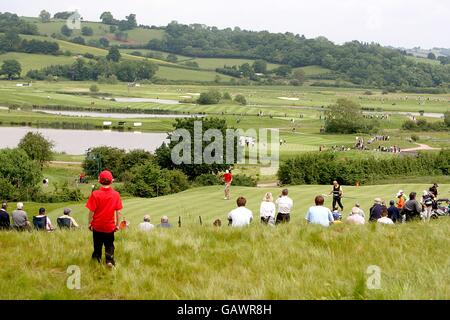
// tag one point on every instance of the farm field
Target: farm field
(194, 262)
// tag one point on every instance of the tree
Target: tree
(260, 66)
(10, 41)
(346, 117)
(113, 54)
(64, 15)
(447, 118)
(192, 170)
(240, 99)
(283, 71)
(87, 31)
(431, 56)
(11, 68)
(18, 174)
(299, 75)
(45, 16)
(78, 40)
(104, 42)
(210, 97)
(66, 31)
(247, 71)
(107, 18)
(37, 147)
(102, 158)
(132, 22)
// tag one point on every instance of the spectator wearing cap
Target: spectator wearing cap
(146, 225)
(20, 218)
(66, 215)
(5, 222)
(375, 210)
(401, 199)
(42, 214)
(164, 222)
(104, 217)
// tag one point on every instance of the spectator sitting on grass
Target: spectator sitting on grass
(20, 218)
(394, 212)
(48, 225)
(5, 222)
(357, 210)
(319, 214)
(67, 215)
(355, 217)
(146, 225)
(384, 217)
(164, 222)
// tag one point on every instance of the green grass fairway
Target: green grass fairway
(202, 262)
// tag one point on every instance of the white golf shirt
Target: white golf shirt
(284, 204)
(240, 217)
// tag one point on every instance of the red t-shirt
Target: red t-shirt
(227, 177)
(104, 203)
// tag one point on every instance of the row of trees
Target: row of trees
(82, 69)
(214, 97)
(11, 41)
(10, 22)
(361, 63)
(129, 23)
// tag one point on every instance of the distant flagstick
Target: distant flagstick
(179, 221)
(200, 218)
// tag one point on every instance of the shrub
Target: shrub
(207, 179)
(94, 88)
(240, 99)
(244, 181)
(210, 97)
(415, 137)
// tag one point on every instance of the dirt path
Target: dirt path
(420, 147)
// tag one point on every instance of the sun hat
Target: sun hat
(377, 200)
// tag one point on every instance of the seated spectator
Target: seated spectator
(356, 217)
(146, 225)
(394, 212)
(319, 214)
(357, 210)
(241, 216)
(66, 220)
(5, 222)
(412, 208)
(375, 211)
(267, 208)
(384, 217)
(48, 223)
(337, 216)
(164, 222)
(20, 219)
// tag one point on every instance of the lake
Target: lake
(114, 115)
(76, 142)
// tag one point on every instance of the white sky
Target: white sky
(400, 23)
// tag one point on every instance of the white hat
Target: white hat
(425, 192)
(400, 192)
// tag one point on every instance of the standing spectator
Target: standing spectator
(337, 193)
(375, 211)
(427, 202)
(412, 208)
(164, 222)
(319, 214)
(394, 212)
(267, 209)
(5, 222)
(384, 217)
(241, 216)
(20, 218)
(104, 215)
(285, 205)
(228, 179)
(146, 225)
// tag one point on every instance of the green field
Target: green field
(197, 262)
(30, 61)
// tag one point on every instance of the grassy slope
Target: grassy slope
(35, 61)
(206, 263)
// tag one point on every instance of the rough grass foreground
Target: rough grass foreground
(288, 262)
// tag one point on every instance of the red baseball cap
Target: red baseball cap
(105, 177)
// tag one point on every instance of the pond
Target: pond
(113, 115)
(76, 142)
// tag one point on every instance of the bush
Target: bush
(323, 168)
(94, 88)
(415, 137)
(244, 181)
(62, 193)
(226, 96)
(447, 118)
(207, 179)
(37, 147)
(240, 99)
(210, 97)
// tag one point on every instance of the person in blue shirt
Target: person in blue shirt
(319, 214)
(394, 212)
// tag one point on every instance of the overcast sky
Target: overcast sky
(400, 23)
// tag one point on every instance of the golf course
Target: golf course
(111, 94)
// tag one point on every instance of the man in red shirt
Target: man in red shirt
(227, 178)
(104, 217)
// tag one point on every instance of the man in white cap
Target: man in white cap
(375, 211)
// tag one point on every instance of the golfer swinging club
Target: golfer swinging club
(337, 195)
(227, 178)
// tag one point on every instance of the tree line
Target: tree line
(12, 42)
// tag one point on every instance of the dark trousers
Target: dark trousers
(338, 201)
(103, 239)
(283, 218)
